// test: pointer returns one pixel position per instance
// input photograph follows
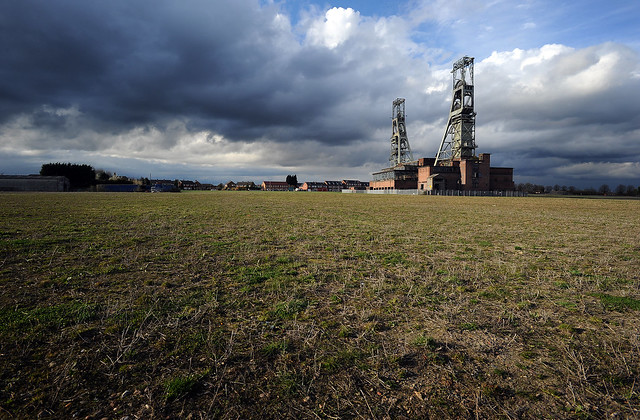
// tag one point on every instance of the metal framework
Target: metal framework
(400, 149)
(459, 140)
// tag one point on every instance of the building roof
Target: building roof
(30, 177)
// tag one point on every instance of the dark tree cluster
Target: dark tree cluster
(82, 176)
(103, 176)
(292, 180)
(530, 188)
(628, 190)
(620, 190)
(79, 176)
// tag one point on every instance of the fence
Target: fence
(442, 192)
(401, 192)
(477, 193)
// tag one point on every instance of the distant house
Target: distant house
(34, 183)
(163, 185)
(118, 178)
(245, 186)
(119, 188)
(335, 186)
(162, 181)
(350, 184)
(189, 185)
(314, 186)
(195, 186)
(275, 186)
(229, 186)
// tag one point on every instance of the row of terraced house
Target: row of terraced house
(335, 186)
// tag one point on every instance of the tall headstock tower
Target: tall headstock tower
(459, 140)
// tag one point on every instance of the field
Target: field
(318, 305)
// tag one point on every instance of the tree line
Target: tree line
(83, 176)
(79, 176)
(605, 189)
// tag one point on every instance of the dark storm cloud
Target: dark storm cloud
(131, 62)
(230, 69)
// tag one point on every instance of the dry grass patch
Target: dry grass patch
(304, 305)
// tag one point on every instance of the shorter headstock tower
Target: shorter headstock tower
(400, 149)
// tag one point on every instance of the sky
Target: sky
(253, 90)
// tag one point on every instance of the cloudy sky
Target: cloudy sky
(219, 90)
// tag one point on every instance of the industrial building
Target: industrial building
(456, 166)
(403, 176)
(34, 183)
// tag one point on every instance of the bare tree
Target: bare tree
(604, 189)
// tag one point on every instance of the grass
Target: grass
(618, 302)
(306, 305)
(180, 386)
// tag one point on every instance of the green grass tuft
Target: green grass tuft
(180, 386)
(618, 302)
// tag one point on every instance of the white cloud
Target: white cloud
(554, 75)
(599, 75)
(543, 54)
(334, 28)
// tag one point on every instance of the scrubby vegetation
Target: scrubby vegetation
(293, 305)
(79, 175)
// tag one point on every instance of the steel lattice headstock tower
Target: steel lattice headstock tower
(459, 140)
(400, 149)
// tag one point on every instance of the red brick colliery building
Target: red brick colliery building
(399, 177)
(462, 174)
(475, 174)
(456, 166)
